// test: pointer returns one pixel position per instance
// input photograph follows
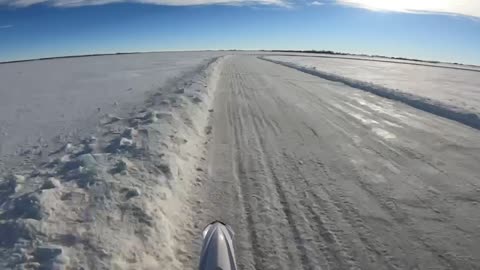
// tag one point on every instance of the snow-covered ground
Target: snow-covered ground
(65, 97)
(448, 86)
(111, 195)
(315, 174)
(129, 156)
(375, 59)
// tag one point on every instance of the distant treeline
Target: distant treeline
(277, 51)
(308, 51)
(364, 55)
(67, 56)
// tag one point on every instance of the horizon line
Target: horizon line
(325, 52)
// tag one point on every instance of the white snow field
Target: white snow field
(43, 99)
(102, 189)
(453, 88)
(374, 59)
(312, 169)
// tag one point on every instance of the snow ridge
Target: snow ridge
(425, 104)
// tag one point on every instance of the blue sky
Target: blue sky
(29, 29)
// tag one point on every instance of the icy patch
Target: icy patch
(367, 122)
(391, 124)
(364, 120)
(383, 133)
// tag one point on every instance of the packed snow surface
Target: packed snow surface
(316, 174)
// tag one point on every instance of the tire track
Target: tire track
(353, 222)
(335, 249)
(348, 213)
(390, 206)
(300, 242)
(326, 236)
(241, 177)
(280, 193)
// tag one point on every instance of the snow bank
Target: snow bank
(115, 199)
(425, 99)
(40, 100)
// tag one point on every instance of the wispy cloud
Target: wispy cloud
(454, 7)
(317, 3)
(77, 3)
(6, 26)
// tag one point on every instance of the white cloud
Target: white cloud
(317, 3)
(6, 26)
(458, 7)
(455, 7)
(76, 3)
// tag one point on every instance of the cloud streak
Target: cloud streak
(77, 3)
(6, 26)
(317, 3)
(454, 7)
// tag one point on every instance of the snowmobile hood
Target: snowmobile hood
(217, 249)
